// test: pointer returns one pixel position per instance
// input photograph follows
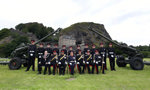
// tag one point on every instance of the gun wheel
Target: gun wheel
(15, 63)
(121, 61)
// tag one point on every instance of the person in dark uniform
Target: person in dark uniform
(80, 62)
(70, 50)
(40, 53)
(102, 52)
(49, 49)
(78, 48)
(97, 60)
(93, 53)
(72, 61)
(64, 49)
(93, 49)
(47, 62)
(56, 49)
(61, 62)
(86, 49)
(31, 54)
(111, 56)
(88, 60)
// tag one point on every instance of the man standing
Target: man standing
(56, 49)
(31, 54)
(64, 49)
(78, 48)
(93, 54)
(49, 49)
(111, 56)
(86, 49)
(47, 62)
(80, 61)
(88, 60)
(70, 50)
(72, 61)
(98, 60)
(61, 62)
(40, 52)
(102, 52)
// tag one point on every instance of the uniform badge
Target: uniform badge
(31, 54)
(87, 62)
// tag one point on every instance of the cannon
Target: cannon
(135, 59)
(19, 55)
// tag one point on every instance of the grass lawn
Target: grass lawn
(122, 79)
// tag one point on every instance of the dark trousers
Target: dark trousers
(40, 65)
(49, 68)
(105, 65)
(93, 66)
(72, 69)
(79, 67)
(31, 62)
(39, 68)
(103, 68)
(88, 67)
(62, 69)
(112, 63)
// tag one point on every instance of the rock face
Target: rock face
(79, 34)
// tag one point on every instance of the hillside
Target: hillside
(78, 33)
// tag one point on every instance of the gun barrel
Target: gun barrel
(110, 39)
(47, 36)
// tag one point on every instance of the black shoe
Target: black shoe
(33, 70)
(26, 70)
(82, 72)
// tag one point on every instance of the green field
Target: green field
(122, 79)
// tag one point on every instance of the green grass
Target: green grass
(122, 79)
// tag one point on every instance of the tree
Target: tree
(4, 33)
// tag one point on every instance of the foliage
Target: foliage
(6, 49)
(4, 33)
(36, 28)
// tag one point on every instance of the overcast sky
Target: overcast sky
(125, 20)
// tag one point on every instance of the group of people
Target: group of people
(66, 60)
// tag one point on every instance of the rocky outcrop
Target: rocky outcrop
(79, 34)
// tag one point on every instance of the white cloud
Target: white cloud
(126, 20)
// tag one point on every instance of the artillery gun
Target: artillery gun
(19, 55)
(135, 59)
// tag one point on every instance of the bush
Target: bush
(4, 33)
(146, 54)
